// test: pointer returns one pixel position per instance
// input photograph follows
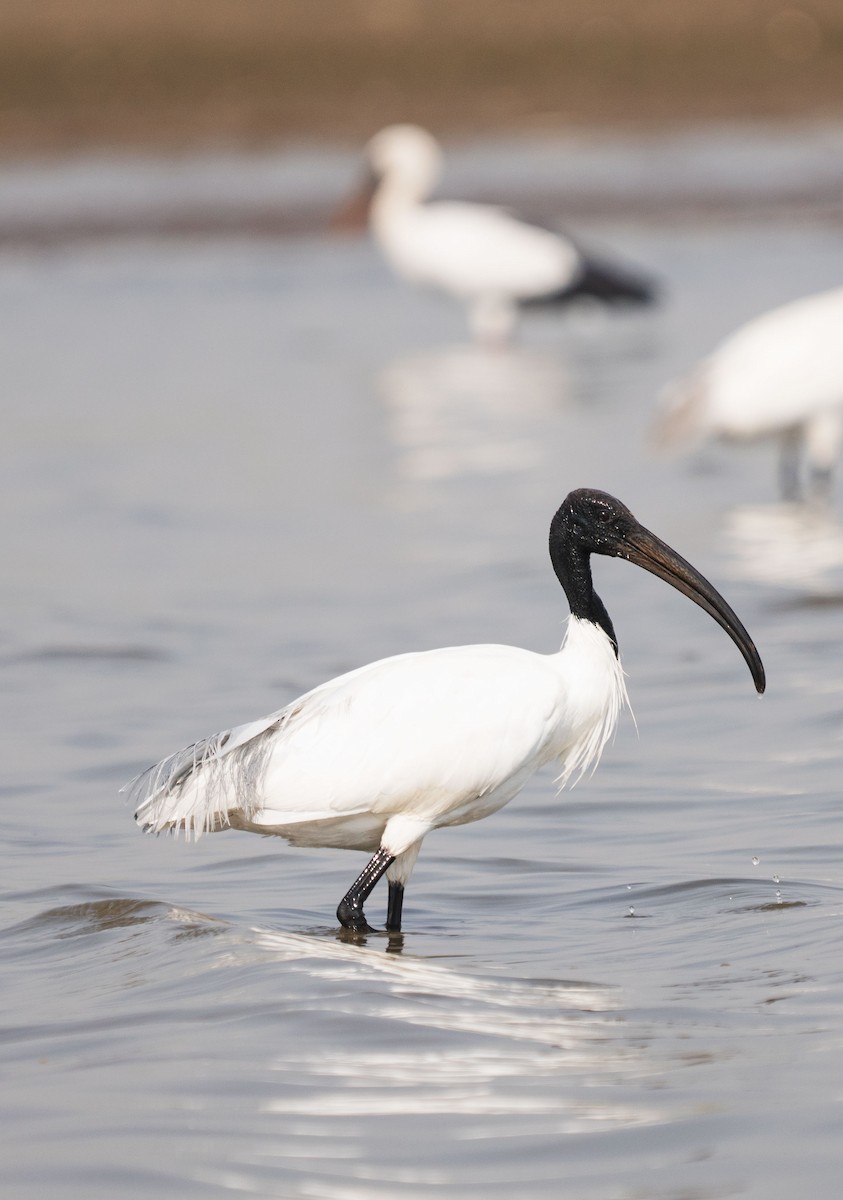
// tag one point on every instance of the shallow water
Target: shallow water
(231, 469)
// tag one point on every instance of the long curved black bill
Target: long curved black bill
(645, 550)
(352, 216)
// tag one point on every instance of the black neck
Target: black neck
(572, 565)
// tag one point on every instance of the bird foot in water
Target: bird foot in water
(350, 909)
(351, 916)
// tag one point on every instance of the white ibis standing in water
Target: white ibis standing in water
(482, 255)
(780, 375)
(377, 758)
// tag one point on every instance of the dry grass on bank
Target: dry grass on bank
(186, 72)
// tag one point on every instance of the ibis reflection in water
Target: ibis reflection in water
(780, 375)
(798, 547)
(482, 255)
(471, 410)
(377, 758)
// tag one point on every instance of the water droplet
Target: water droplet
(629, 887)
(755, 860)
(778, 896)
(631, 911)
(776, 879)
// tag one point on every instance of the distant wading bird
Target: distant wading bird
(780, 376)
(377, 758)
(482, 255)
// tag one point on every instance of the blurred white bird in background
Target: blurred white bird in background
(377, 758)
(480, 254)
(779, 376)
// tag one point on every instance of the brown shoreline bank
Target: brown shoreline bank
(172, 74)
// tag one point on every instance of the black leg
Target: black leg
(394, 906)
(350, 911)
(791, 446)
(822, 479)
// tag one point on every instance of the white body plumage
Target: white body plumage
(382, 755)
(483, 256)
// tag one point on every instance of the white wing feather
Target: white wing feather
(473, 249)
(443, 736)
(167, 795)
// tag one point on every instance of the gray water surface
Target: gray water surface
(233, 468)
